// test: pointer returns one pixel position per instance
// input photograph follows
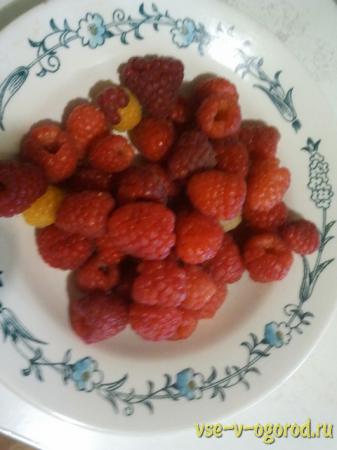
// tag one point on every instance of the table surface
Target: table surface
(308, 29)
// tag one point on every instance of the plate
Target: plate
(55, 53)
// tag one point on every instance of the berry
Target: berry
(106, 250)
(90, 179)
(181, 112)
(153, 137)
(266, 220)
(215, 86)
(85, 213)
(227, 266)
(85, 123)
(63, 250)
(111, 154)
(260, 139)
(155, 81)
(301, 236)
(110, 100)
(231, 156)
(95, 275)
(187, 327)
(200, 288)
(191, 153)
(143, 230)
(98, 316)
(198, 238)
(161, 283)
(217, 194)
(219, 116)
(43, 211)
(266, 187)
(146, 182)
(209, 310)
(52, 149)
(154, 323)
(20, 185)
(267, 258)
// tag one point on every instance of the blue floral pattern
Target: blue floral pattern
(92, 30)
(187, 384)
(85, 374)
(277, 334)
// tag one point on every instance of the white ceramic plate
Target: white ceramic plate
(57, 52)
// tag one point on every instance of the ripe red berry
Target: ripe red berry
(153, 137)
(85, 213)
(192, 152)
(217, 194)
(154, 323)
(95, 275)
(143, 230)
(231, 156)
(181, 113)
(215, 86)
(63, 250)
(267, 258)
(20, 185)
(98, 316)
(200, 288)
(110, 100)
(106, 250)
(198, 238)
(209, 310)
(187, 327)
(301, 236)
(260, 139)
(90, 179)
(111, 154)
(52, 149)
(266, 220)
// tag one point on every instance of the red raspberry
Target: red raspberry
(215, 86)
(143, 230)
(262, 165)
(212, 306)
(187, 327)
(302, 236)
(266, 220)
(260, 139)
(89, 179)
(111, 100)
(162, 283)
(98, 316)
(95, 275)
(111, 154)
(181, 113)
(154, 323)
(106, 250)
(198, 239)
(231, 156)
(20, 185)
(63, 250)
(227, 266)
(191, 153)
(217, 194)
(219, 116)
(85, 213)
(146, 182)
(85, 123)
(267, 258)
(52, 149)
(155, 81)
(200, 288)
(266, 187)
(153, 137)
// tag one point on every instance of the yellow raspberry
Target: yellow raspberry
(43, 211)
(228, 225)
(130, 116)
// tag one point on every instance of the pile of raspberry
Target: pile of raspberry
(155, 224)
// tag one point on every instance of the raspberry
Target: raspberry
(260, 139)
(98, 316)
(212, 306)
(43, 211)
(95, 275)
(162, 283)
(301, 236)
(63, 250)
(153, 137)
(146, 182)
(155, 81)
(191, 153)
(110, 100)
(198, 238)
(227, 266)
(232, 156)
(217, 194)
(200, 288)
(186, 328)
(219, 116)
(266, 187)
(266, 220)
(143, 230)
(111, 154)
(181, 113)
(267, 258)
(85, 213)
(90, 179)
(52, 149)
(86, 123)
(106, 250)
(215, 86)
(154, 323)
(20, 185)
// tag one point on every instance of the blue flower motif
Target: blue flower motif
(184, 32)
(92, 30)
(187, 384)
(85, 374)
(277, 334)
